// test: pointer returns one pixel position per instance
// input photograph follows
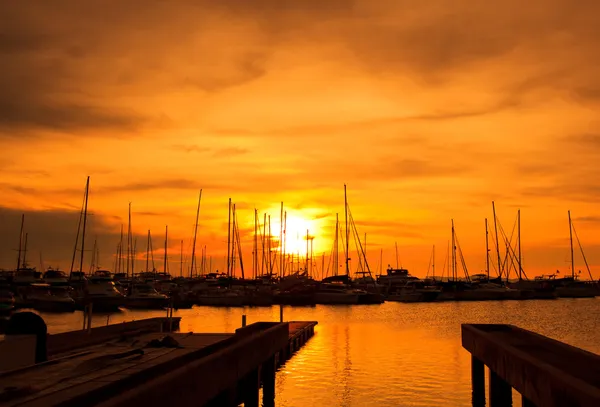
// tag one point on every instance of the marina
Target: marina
(421, 344)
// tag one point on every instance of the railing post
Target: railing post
(477, 382)
(251, 386)
(268, 379)
(280, 313)
(243, 320)
(500, 391)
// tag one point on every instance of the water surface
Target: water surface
(391, 354)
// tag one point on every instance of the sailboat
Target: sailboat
(572, 287)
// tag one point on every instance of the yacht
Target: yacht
(145, 296)
(337, 293)
(55, 277)
(221, 297)
(100, 290)
(44, 297)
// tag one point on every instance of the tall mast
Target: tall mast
(233, 241)
(181, 261)
(433, 263)
(255, 253)
(396, 244)
(453, 253)
(487, 250)
(133, 254)
(497, 243)
(128, 240)
(195, 235)
(336, 262)
(365, 252)
(166, 245)
(25, 251)
(306, 265)
(572, 255)
(284, 240)
(519, 236)
(270, 240)
(312, 265)
(239, 243)
(380, 261)
(93, 262)
(120, 260)
(148, 250)
(21, 243)
(87, 192)
(347, 232)
(281, 241)
(229, 239)
(264, 239)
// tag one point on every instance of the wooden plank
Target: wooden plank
(545, 371)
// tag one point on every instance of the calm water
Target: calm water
(385, 355)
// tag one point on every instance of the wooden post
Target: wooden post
(268, 379)
(280, 313)
(243, 320)
(477, 382)
(500, 391)
(251, 388)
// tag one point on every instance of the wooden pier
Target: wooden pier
(544, 371)
(142, 364)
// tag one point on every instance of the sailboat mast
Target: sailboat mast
(396, 244)
(281, 241)
(336, 261)
(229, 239)
(487, 250)
(571, 239)
(181, 261)
(148, 250)
(128, 241)
(284, 242)
(166, 245)
(453, 253)
(365, 253)
(270, 240)
(433, 263)
(120, 259)
(264, 239)
(519, 237)
(347, 232)
(233, 241)
(25, 251)
(306, 265)
(497, 242)
(195, 236)
(87, 192)
(21, 243)
(255, 252)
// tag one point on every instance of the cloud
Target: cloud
(52, 233)
(588, 219)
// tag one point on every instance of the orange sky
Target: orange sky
(428, 112)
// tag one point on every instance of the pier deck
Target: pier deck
(153, 368)
(546, 372)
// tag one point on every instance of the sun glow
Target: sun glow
(296, 228)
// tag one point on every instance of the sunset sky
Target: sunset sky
(428, 110)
